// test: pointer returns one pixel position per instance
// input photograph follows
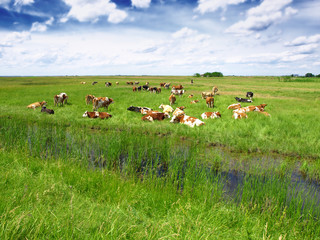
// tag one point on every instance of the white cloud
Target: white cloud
(141, 3)
(213, 5)
(303, 40)
(23, 2)
(263, 16)
(41, 27)
(14, 38)
(184, 32)
(91, 10)
(4, 3)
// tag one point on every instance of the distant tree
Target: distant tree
(318, 75)
(197, 75)
(309, 75)
(207, 74)
(216, 74)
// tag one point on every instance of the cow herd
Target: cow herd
(178, 114)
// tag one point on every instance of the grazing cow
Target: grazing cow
(162, 84)
(83, 83)
(117, 83)
(108, 84)
(145, 87)
(89, 98)
(194, 101)
(46, 110)
(155, 116)
(130, 83)
(249, 95)
(191, 81)
(204, 95)
(234, 106)
(134, 89)
(101, 102)
(212, 115)
(172, 99)
(167, 85)
(136, 83)
(239, 115)
(139, 88)
(101, 115)
(158, 90)
(37, 104)
(138, 109)
(93, 83)
(177, 87)
(58, 99)
(166, 108)
(152, 89)
(265, 113)
(178, 112)
(243, 100)
(210, 102)
(215, 90)
(190, 96)
(178, 92)
(187, 120)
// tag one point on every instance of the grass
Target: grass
(65, 176)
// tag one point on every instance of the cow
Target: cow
(139, 88)
(152, 89)
(212, 115)
(166, 108)
(136, 83)
(215, 90)
(93, 83)
(89, 98)
(37, 104)
(191, 81)
(158, 90)
(190, 96)
(172, 99)
(249, 95)
(167, 85)
(210, 102)
(82, 82)
(155, 116)
(239, 115)
(178, 92)
(260, 108)
(147, 83)
(108, 84)
(243, 100)
(187, 120)
(46, 110)
(234, 106)
(147, 111)
(129, 83)
(134, 89)
(101, 115)
(65, 96)
(204, 95)
(194, 101)
(145, 87)
(178, 112)
(162, 84)
(138, 109)
(117, 83)
(59, 100)
(101, 102)
(246, 109)
(177, 87)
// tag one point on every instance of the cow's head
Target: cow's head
(85, 114)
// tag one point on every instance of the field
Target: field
(65, 176)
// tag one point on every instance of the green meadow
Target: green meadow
(68, 177)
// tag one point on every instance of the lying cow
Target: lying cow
(101, 115)
(47, 110)
(146, 111)
(212, 115)
(178, 112)
(37, 104)
(155, 116)
(210, 102)
(83, 83)
(166, 108)
(194, 101)
(260, 108)
(89, 98)
(234, 106)
(138, 109)
(239, 115)
(187, 120)
(243, 100)
(178, 92)
(101, 102)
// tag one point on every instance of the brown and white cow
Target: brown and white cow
(178, 92)
(101, 115)
(89, 98)
(37, 104)
(166, 108)
(190, 96)
(158, 90)
(101, 102)
(246, 109)
(234, 106)
(260, 108)
(117, 83)
(194, 101)
(239, 115)
(187, 120)
(162, 84)
(212, 115)
(146, 111)
(82, 82)
(59, 99)
(204, 95)
(177, 87)
(178, 112)
(65, 97)
(155, 116)
(215, 90)
(172, 99)
(210, 102)
(167, 85)
(134, 89)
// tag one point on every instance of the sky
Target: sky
(159, 37)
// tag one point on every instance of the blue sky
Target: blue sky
(159, 37)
